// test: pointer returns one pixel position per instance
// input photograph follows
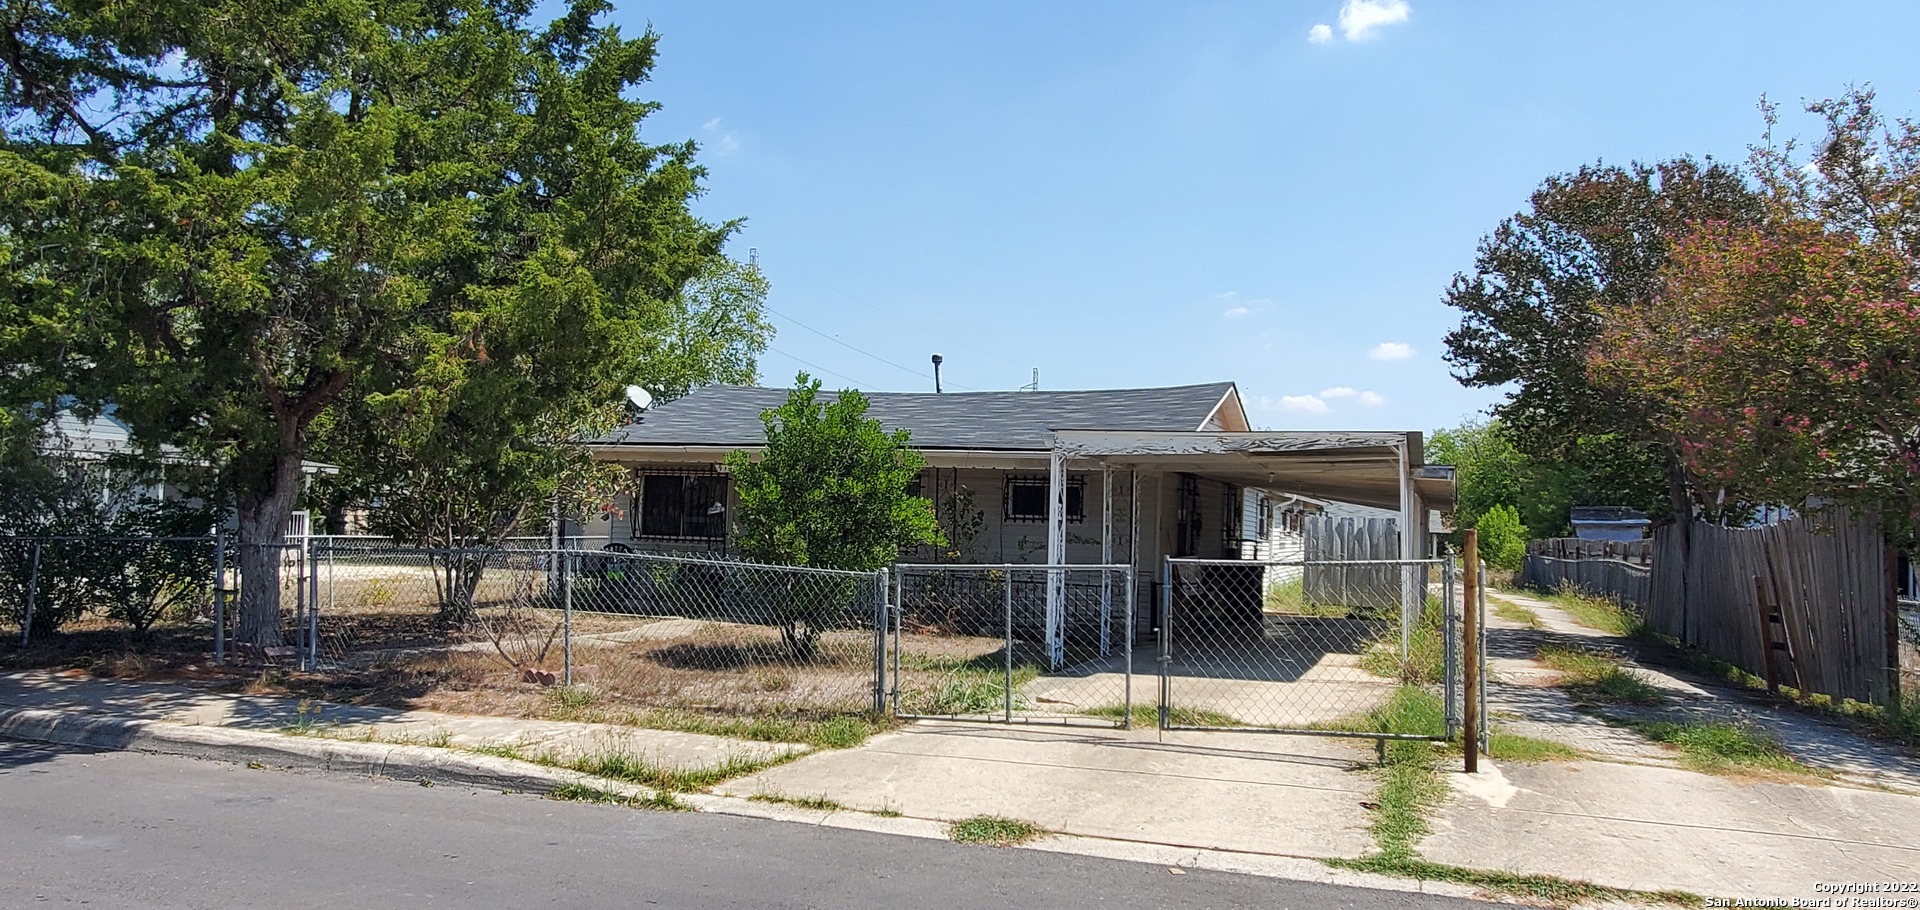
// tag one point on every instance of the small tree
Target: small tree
(1503, 539)
(829, 491)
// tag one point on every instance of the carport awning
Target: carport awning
(1359, 468)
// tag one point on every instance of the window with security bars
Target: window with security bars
(682, 505)
(1026, 498)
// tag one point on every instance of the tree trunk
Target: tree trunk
(262, 518)
(1680, 499)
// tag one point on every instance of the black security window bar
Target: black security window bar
(682, 505)
(1026, 498)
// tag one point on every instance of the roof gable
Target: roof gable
(729, 416)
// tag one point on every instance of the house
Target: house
(1182, 460)
(1108, 476)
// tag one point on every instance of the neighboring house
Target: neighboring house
(1609, 523)
(90, 446)
(990, 457)
(101, 448)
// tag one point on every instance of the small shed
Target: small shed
(1609, 523)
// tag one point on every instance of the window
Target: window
(1266, 516)
(682, 504)
(1026, 498)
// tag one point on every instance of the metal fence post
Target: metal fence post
(33, 589)
(1009, 646)
(880, 641)
(899, 621)
(564, 559)
(1127, 723)
(219, 597)
(1450, 644)
(311, 567)
(1480, 647)
(1166, 645)
(1470, 587)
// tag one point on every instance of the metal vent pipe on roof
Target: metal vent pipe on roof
(936, 373)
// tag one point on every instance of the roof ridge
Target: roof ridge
(1150, 388)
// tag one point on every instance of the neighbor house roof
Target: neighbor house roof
(729, 416)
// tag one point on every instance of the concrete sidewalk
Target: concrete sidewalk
(1246, 802)
(1635, 819)
(198, 706)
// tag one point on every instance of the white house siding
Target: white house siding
(1023, 541)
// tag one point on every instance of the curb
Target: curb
(368, 759)
(429, 764)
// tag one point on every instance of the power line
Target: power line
(869, 306)
(897, 366)
(808, 363)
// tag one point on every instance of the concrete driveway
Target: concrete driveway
(1247, 792)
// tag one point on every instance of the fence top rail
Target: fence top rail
(67, 538)
(1303, 563)
(324, 549)
(1636, 566)
(1016, 566)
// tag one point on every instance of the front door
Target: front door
(1186, 536)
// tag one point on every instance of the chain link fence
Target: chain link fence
(1337, 647)
(94, 584)
(647, 631)
(1013, 642)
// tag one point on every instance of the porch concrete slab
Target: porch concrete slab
(560, 741)
(1248, 792)
(1650, 828)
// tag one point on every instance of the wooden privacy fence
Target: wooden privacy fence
(1620, 570)
(1808, 600)
(1331, 539)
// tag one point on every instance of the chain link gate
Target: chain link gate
(1013, 642)
(1329, 647)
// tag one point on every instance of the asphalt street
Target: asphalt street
(149, 831)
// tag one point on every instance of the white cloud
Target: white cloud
(1372, 399)
(1391, 350)
(1359, 18)
(1338, 391)
(1306, 404)
(724, 144)
(1320, 34)
(1236, 312)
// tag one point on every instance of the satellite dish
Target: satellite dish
(639, 397)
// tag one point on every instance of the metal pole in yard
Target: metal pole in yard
(312, 568)
(219, 597)
(899, 608)
(1480, 683)
(33, 588)
(880, 641)
(1009, 648)
(1470, 587)
(1449, 638)
(564, 560)
(1166, 645)
(1127, 711)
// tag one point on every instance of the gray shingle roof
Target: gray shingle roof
(730, 415)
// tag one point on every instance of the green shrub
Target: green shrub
(1503, 539)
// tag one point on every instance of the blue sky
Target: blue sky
(1156, 194)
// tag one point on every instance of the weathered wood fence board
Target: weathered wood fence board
(1347, 538)
(1616, 569)
(1827, 578)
